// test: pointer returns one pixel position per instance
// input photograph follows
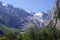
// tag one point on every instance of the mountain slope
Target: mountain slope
(5, 29)
(17, 18)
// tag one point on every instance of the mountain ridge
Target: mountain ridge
(17, 18)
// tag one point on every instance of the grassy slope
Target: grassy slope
(7, 29)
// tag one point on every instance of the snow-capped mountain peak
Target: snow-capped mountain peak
(5, 4)
(11, 16)
(39, 14)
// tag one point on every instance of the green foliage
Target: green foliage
(31, 34)
(10, 36)
(3, 38)
(43, 33)
(19, 36)
(6, 29)
(22, 36)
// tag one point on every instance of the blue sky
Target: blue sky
(31, 5)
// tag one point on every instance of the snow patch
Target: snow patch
(42, 20)
(5, 4)
(39, 14)
(29, 11)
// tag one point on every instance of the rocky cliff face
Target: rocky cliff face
(18, 18)
(56, 13)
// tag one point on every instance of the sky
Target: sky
(31, 5)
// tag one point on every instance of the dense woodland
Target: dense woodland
(43, 33)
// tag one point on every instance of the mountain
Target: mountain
(42, 18)
(17, 17)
